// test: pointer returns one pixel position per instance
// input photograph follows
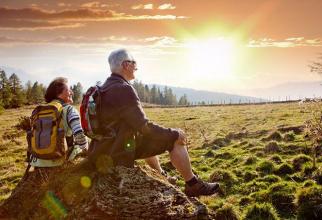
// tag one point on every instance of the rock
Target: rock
(122, 193)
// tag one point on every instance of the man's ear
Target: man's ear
(124, 65)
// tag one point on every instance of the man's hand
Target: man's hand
(182, 139)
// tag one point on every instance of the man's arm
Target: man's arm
(133, 114)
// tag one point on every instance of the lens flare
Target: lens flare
(85, 181)
(54, 206)
(104, 163)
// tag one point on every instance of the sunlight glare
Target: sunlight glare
(211, 58)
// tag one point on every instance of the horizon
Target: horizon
(220, 46)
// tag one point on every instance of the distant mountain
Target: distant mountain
(291, 90)
(196, 96)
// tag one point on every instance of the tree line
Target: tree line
(13, 94)
(155, 95)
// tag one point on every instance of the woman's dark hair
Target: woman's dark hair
(55, 88)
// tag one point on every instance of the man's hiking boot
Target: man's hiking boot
(201, 188)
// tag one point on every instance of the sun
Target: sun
(212, 58)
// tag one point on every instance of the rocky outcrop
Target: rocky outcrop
(121, 193)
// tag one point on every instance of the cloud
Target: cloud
(21, 25)
(62, 4)
(153, 41)
(41, 14)
(288, 42)
(91, 5)
(141, 6)
(166, 7)
(36, 18)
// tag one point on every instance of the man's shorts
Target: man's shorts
(148, 147)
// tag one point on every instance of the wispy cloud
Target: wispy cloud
(62, 4)
(167, 6)
(97, 5)
(288, 42)
(141, 6)
(153, 41)
(36, 18)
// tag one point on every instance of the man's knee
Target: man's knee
(177, 147)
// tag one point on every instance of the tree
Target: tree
(16, 91)
(28, 87)
(147, 95)
(37, 93)
(153, 95)
(183, 100)
(77, 92)
(5, 93)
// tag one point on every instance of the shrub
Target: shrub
(317, 176)
(250, 160)
(272, 147)
(245, 200)
(297, 177)
(259, 154)
(209, 154)
(227, 212)
(203, 168)
(260, 211)
(281, 195)
(308, 168)
(238, 172)
(269, 179)
(223, 176)
(275, 136)
(308, 183)
(308, 202)
(254, 186)
(276, 158)
(284, 169)
(250, 175)
(260, 196)
(266, 167)
(225, 155)
(289, 136)
(299, 160)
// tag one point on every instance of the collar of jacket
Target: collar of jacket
(60, 101)
(119, 76)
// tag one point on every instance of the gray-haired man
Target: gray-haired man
(137, 137)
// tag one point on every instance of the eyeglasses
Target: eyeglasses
(130, 61)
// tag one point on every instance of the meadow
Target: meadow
(260, 154)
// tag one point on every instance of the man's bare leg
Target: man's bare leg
(180, 159)
(154, 163)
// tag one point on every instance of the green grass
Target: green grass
(242, 147)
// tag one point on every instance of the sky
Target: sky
(216, 45)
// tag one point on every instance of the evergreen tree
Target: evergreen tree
(153, 95)
(5, 93)
(183, 100)
(28, 87)
(16, 91)
(37, 93)
(77, 93)
(147, 95)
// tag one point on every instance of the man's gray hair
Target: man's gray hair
(117, 57)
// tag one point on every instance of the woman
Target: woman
(59, 91)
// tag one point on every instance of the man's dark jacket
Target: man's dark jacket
(121, 107)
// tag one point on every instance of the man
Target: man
(136, 136)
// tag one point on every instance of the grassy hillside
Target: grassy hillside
(258, 153)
